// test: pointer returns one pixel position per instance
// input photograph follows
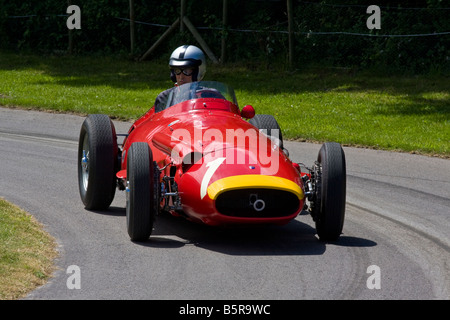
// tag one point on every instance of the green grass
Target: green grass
(26, 252)
(371, 109)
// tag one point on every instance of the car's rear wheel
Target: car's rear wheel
(269, 125)
(330, 182)
(141, 202)
(97, 162)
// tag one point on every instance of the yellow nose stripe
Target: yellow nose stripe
(253, 181)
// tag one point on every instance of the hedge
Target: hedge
(331, 33)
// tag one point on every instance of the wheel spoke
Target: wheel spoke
(85, 162)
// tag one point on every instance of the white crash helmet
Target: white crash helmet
(188, 56)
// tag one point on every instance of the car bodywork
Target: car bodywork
(198, 157)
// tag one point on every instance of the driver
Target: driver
(187, 64)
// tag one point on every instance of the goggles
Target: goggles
(186, 72)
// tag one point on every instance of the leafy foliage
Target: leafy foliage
(332, 33)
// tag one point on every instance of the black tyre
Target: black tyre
(331, 180)
(141, 202)
(269, 125)
(97, 162)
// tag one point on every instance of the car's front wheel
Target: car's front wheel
(330, 188)
(97, 162)
(140, 191)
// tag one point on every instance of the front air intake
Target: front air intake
(257, 203)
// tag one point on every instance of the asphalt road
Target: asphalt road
(395, 243)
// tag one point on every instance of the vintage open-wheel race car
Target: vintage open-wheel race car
(200, 157)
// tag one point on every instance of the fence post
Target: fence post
(200, 40)
(161, 39)
(132, 35)
(291, 33)
(224, 25)
(182, 20)
(182, 14)
(70, 34)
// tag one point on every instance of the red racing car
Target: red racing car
(200, 157)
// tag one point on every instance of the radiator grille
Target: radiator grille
(257, 203)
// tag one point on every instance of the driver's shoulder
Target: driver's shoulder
(165, 92)
(161, 99)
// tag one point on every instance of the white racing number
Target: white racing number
(212, 167)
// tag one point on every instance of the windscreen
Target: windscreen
(200, 90)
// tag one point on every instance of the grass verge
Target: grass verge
(27, 252)
(370, 109)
